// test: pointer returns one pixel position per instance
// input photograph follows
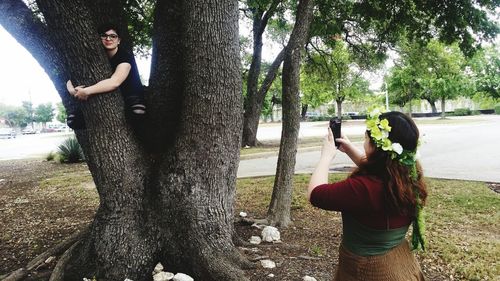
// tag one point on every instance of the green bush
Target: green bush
(320, 118)
(346, 117)
(497, 109)
(462, 112)
(475, 112)
(70, 151)
(51, 156)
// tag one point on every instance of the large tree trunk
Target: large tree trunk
(443, 109)
(255, 97)
(197, 174)
(279, 208)
(173, 204)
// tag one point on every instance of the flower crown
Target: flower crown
(379, 133)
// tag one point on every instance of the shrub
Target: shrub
(70, 151)
(497, 109)
(346, 117)
(320, 118)
(461, 112)
(475, 112)
(50, 156)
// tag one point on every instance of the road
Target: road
(465, 148)
(31, 146)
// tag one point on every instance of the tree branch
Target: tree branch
(31, 33)
(267, 15)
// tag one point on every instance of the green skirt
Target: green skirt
(398, 264)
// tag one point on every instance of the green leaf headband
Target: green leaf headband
(379, 133)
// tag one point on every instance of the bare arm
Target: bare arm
(320, 174)
(106, 85)
(70, 87)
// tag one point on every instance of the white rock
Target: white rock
(270, 234)
(255, 240)
(182, 277)
(268, 264)
(270, 275)
(158, 268)
(126, 279)
(163, 276)
(308, 278)
(243, 214)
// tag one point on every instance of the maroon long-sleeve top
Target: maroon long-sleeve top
(362, 198)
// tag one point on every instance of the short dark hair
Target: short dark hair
(107, 26)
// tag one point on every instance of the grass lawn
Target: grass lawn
(463, 219)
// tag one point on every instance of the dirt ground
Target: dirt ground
(38, 210)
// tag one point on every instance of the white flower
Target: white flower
(385, 134)
(396, 147)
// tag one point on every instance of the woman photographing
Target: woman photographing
(378, 201)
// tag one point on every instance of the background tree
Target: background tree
(432, 72)
(314, 91)
(485, 67)
(44, 113)
(14, 116)
(261, 13)
(61, 113)
(336, 69)
(402, 86)
(446, 65)
(278, 212)
(30, 112)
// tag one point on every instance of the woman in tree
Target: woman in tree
(378, 201)
(125, 76)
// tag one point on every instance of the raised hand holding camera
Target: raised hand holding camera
(335, 126)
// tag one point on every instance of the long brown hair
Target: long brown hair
(400, 190)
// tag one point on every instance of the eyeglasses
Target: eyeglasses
(111, 37)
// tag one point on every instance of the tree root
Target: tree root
(41, 259)
(58, 272)
(15, 275)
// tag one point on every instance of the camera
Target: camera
(335, 124)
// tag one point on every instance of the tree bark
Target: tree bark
(254, 104)
(255, 96)
(443, 109)
(433, 105)
(304, 111)
(279, 208)
(174, 204)
(339, 108)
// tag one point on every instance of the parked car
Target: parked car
(7, 133)
(28, 131)
(312, 114)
